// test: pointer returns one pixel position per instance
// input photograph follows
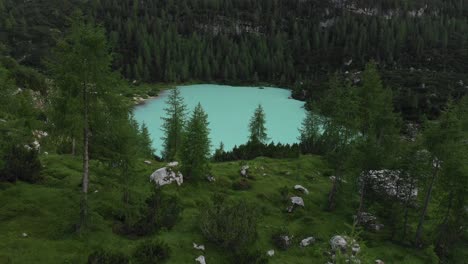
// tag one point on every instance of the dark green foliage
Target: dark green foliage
(196, 145)
(250, 257)
(102, 256)
(241, 185)
(279, 241)
(161, 211)
(173, 127)
(20, 163)
(152, 252)
(230, 224)
(252, 150)
(257, 127)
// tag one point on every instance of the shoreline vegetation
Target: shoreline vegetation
(150, 91)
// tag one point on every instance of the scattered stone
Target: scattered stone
(296, 200)
(245, 171)
(201, 259)
(2, 120)
(307, 241)
(39, 134)
(301, 188)
(338, 242)
(341, 243)
(96, 191)
(46, 153)
(166, 175)
(24, 234)
(379, 262)
(147, 162)
(210, 178)
(36, 145)
(390, 183)
(199, 247)
(271, 253)
(369, 221)
(173, 164)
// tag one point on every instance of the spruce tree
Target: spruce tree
(196, 148)
(173, 126)
(257, 126)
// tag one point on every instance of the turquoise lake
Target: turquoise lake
(229, 110)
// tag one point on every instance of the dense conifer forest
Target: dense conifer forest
(378, 174)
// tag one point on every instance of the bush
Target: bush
(152, 252)
(242, 184)
(102, 256)
(232, 225)
(20, 163)
(280, 242)
(161, 211)
(251, 257)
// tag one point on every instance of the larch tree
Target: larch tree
(173, 127)
(340, 126)
(446, 141)
(257, 127)
(196, 148)
(378, 125)
(82, 75)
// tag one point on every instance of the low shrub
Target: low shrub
(242, 184)
(250, 257)
(231, 225)
(161, 211)
(152, 252)
(282, 239)
(20, 163)
(102, 256)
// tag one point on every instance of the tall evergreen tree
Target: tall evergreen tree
(173, 126)
(196, 148)
(257, 127)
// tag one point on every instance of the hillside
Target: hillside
(46, 212)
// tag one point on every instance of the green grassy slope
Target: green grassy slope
(47, 212)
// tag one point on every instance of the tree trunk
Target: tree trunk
(85, 180)
(406, 209)
(361, 199)
(444, 225)
(419, 231)
(332, 196)
(74, 146)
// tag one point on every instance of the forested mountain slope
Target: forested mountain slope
(421, 46)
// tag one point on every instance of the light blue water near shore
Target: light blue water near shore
(229, 110)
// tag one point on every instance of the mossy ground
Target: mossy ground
(48, 211)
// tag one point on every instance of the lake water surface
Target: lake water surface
(229, 110)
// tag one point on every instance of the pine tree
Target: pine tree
(257, 126)
(196, 148)
(173, 126)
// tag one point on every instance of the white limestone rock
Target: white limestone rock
(271, 253)
(307, 241)
(245, 171)
(199, 247)
(390, 183)
(147, 162)
(166, 175)
(301, 188)
(296, 200)
(338, 243)
(201, 259)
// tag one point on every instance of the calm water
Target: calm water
(229, 110)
